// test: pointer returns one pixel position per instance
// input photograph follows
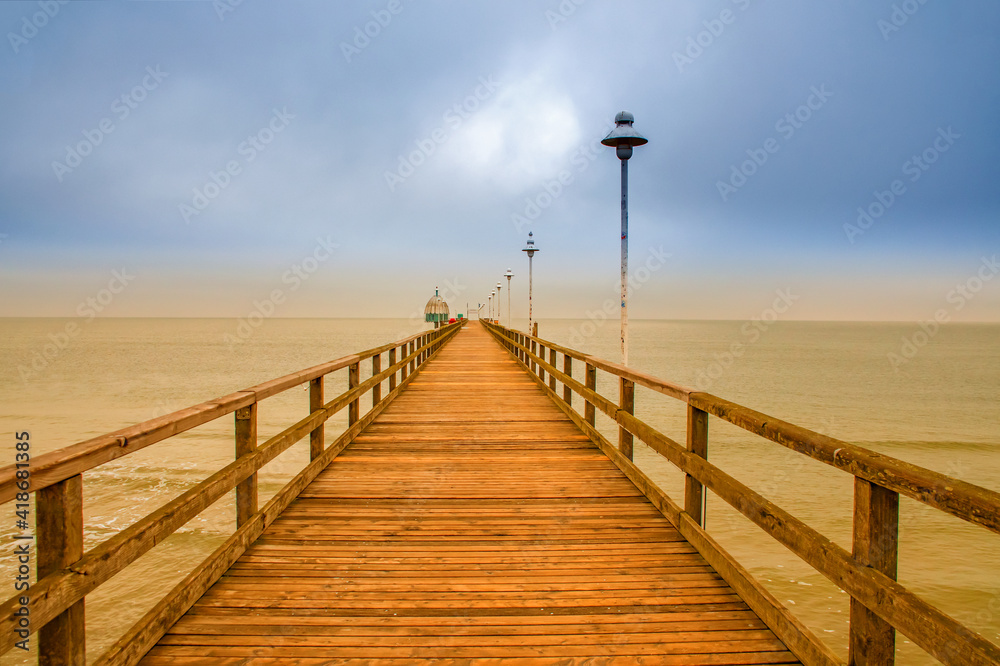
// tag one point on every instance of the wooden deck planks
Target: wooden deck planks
(471, 522)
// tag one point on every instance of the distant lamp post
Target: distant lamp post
(499, 286)
(490, 301)
(508, 275)
(531, 250)
(623, 137)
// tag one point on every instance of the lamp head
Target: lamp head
(530, 249)
(623, 137)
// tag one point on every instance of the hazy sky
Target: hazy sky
(344, 158)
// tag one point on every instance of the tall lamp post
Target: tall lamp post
(624, 137)
(531, 250)
(508, 275)
(498, 302)
(490, 301)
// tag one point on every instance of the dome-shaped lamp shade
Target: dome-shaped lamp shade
(623, 136)
(436, 310)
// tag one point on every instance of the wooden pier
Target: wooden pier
(472, 519)
(475, 514)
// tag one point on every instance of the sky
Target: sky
(343, 159)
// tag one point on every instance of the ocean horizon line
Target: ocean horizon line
(631, 319)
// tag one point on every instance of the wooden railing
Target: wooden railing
(879, 606)
(66, 575)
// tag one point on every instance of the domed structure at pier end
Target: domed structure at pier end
(436, 310)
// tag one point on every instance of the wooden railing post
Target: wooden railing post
(534, 350)
(59, 534)
(552, 362)
(541, 356)
(697, 443)
(353, 379)
(590, 381)
(246, 442)
(626, 403)
(377, 389)
(316, 443)
(876, 542)
(392, 377)
(413, 361)
(568, 371)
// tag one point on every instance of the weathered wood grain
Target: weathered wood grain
(59, 534)
(471, 520)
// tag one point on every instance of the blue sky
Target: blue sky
(354, 155)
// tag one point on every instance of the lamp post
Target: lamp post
(508, 275)
(498, 302)
(624, 137)
(531, 250)
(491, 305)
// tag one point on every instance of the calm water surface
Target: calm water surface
(939, 409)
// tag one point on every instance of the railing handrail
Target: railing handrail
(63, 587)
(964, 500)
(672, 389)
(868, 574)
(55, 466)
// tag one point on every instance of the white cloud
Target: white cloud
(523, 136)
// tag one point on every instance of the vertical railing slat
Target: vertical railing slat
(876, 545)
(568, 371)
(353, 379)
(590, 381)
(316, 437)
(377, 389)
(246, 442)
(626, 403)
(394, 375)
(552, 362)
(59, 534)
(697, 443)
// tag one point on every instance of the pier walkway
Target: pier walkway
(471, 520)
(470, 510)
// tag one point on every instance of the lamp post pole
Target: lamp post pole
(624, 316)
(623, 137)
(530, 250)
(499, 286)
(508, 275)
